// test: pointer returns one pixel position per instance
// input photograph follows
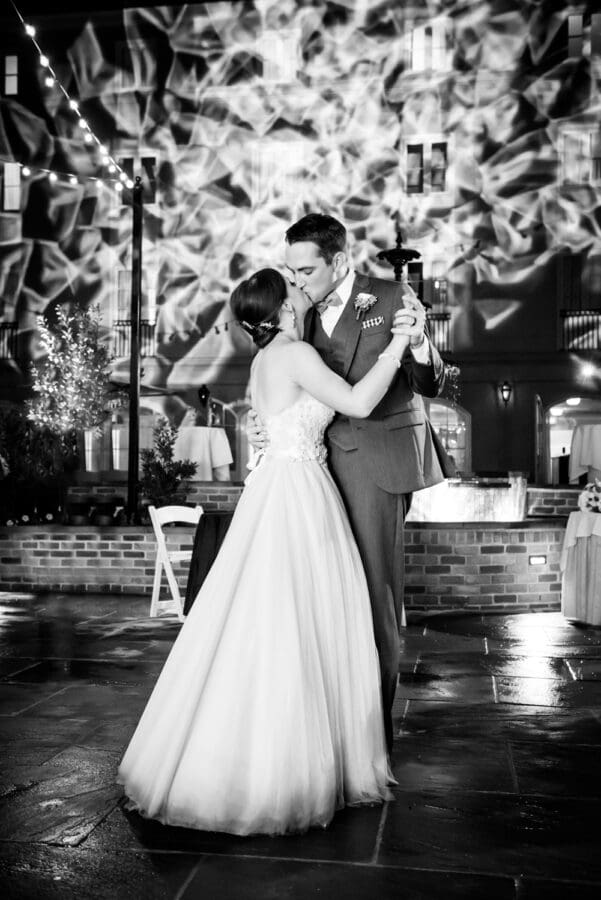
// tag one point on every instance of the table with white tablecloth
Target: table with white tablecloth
(581, 568)
(209, 448)
(585, 451)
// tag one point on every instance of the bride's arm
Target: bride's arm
(310, 372)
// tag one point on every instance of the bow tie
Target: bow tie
(331, 300)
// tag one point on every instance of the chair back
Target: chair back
(167, 515)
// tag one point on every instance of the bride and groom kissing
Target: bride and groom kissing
(274, 707)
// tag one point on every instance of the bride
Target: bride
(267, 717)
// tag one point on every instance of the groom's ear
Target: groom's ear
(340, 264)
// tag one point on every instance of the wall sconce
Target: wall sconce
(505, 390)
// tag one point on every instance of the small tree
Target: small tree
(72, 383)
(161, 474)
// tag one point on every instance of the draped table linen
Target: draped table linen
(581, 568)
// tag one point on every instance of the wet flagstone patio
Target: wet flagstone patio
(497, 759)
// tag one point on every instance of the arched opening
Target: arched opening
(453, 425)
(573, 440)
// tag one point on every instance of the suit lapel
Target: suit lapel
(348, 327)
(309, 325)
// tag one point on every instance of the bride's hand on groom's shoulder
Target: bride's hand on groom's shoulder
(255, 431)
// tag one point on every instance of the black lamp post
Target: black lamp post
(134, 360)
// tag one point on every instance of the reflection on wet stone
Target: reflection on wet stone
(496, 758)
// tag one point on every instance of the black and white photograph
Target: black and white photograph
(300, 450)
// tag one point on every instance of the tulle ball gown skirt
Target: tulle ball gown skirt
(266, 717)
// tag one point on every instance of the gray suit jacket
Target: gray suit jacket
(396, 444)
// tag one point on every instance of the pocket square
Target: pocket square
(373, 323)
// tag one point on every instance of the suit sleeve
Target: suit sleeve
(427, 380)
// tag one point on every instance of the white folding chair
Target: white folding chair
(165, 515)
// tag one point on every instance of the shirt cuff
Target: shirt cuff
(422, 353)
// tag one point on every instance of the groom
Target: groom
(376, 462)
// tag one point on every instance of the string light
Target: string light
(52, 80)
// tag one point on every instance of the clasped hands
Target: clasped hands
(410, 320)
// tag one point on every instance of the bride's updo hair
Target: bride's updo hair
(256, 304)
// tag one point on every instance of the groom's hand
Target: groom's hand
(255, 432)
(410, 320)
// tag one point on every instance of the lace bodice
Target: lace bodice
(297, 432)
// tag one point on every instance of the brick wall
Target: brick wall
(483, 566)
(455, 566)
(219, 495)
(71, 558)
(552, 501)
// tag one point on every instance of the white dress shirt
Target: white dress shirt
(331, 315)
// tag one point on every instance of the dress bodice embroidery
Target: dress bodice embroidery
(296, 433)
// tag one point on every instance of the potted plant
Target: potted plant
(162, 475)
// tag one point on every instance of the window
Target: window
(426, 167)
(426, 46)
(438, 168)
(580, 156)
(148, 309)
(415, 168)
(415, 276)
(11, 75)
(280, 53)
(453, 425)
(575, 35)
(11, 194)
(596, 34)
(277, 170)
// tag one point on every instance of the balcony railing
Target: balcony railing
(580, 329)
(8, 340)
(122, 338)
(439, 326)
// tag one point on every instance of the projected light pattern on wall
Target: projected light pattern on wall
(472, 126)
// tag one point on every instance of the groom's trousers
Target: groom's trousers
(377, 520)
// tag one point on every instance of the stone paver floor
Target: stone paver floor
(497, 759)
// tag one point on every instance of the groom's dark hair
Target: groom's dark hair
(327, 232)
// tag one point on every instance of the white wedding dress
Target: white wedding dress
(267, 714)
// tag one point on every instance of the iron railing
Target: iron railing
(8, 340)
(580, 329)
(439, 326)
(122, 338)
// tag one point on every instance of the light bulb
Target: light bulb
(26, 171)
(119, 186)
(73, 104)
(112, 168)
(44, 61)
(123, 176)
(72, 179)
(53, 177)
(88, 138)
(129, 184)
(30, 30)
(49, 81)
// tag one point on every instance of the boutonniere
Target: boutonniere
(363, 302)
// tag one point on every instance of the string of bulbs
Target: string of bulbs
(120, 177)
